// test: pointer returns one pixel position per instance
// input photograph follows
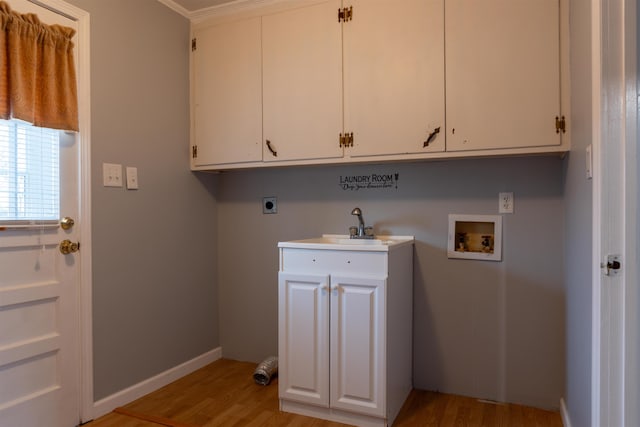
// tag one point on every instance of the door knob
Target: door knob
(66, 223)
(69, 247)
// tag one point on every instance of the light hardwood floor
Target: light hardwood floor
(224, 394)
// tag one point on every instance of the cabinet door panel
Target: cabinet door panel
(303, 340)
(394, 76)
(503, 73)
(302, 72)
(227, 93)
(358, 365)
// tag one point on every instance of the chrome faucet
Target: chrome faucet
(358, 212)
(360, 232)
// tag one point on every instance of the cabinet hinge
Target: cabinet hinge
(345, 14)
(194, 152)
(346, 140)
(193, 44)
(561, 124)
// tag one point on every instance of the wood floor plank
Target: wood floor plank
(223, 394)
(152, 418)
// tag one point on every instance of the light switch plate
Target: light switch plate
(111, 175)
(132, 178)
(589, 160)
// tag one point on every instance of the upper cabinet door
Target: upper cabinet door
(227, 94)
(503, 73)
(394, 77)
(302, 83)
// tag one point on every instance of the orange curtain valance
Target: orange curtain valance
(37, 71)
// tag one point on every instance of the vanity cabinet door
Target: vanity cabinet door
(227, 94)
(358, 342)
(502, 74)
(302, 83)
(303, 338)
(394, 77)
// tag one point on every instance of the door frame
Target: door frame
(631, 336)
(84, 296)
(615, 109)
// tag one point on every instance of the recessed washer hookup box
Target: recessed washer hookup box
(475, 237)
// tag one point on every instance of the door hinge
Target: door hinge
(346, 140)
(561, 124)
(193, 44)
(345, 14)
(613, 265)
(194, 152)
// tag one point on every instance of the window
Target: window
(29, 173)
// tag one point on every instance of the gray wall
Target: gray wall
(154, 252)
(578, 241)
(493, 330)
(185, 249)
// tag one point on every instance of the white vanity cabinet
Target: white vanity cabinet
(345, 330)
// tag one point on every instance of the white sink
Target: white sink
(343, 242)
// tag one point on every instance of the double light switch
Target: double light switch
(112, 176)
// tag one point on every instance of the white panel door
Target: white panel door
(303, 340)
(358, 360)
(302, 83)
(227, 93)
(394, 77)
(502, 74)
(39, 320)
(615, 385)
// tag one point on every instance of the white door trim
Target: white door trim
(631, 342)
(84, 110)
(86, 283)
(596, 220)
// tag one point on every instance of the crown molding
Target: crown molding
(176, 8)
(235, 6)
(232, 7)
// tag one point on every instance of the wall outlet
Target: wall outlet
(505, 203)
(269, 205)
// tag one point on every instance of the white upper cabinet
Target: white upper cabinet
(394, 77)
(285, 82)
(227, 94)
(502, 74)
(390, 57)
(302, 83)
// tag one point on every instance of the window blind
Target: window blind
(29, 174)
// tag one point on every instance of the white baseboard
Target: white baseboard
(109, 403)
(566, 422)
